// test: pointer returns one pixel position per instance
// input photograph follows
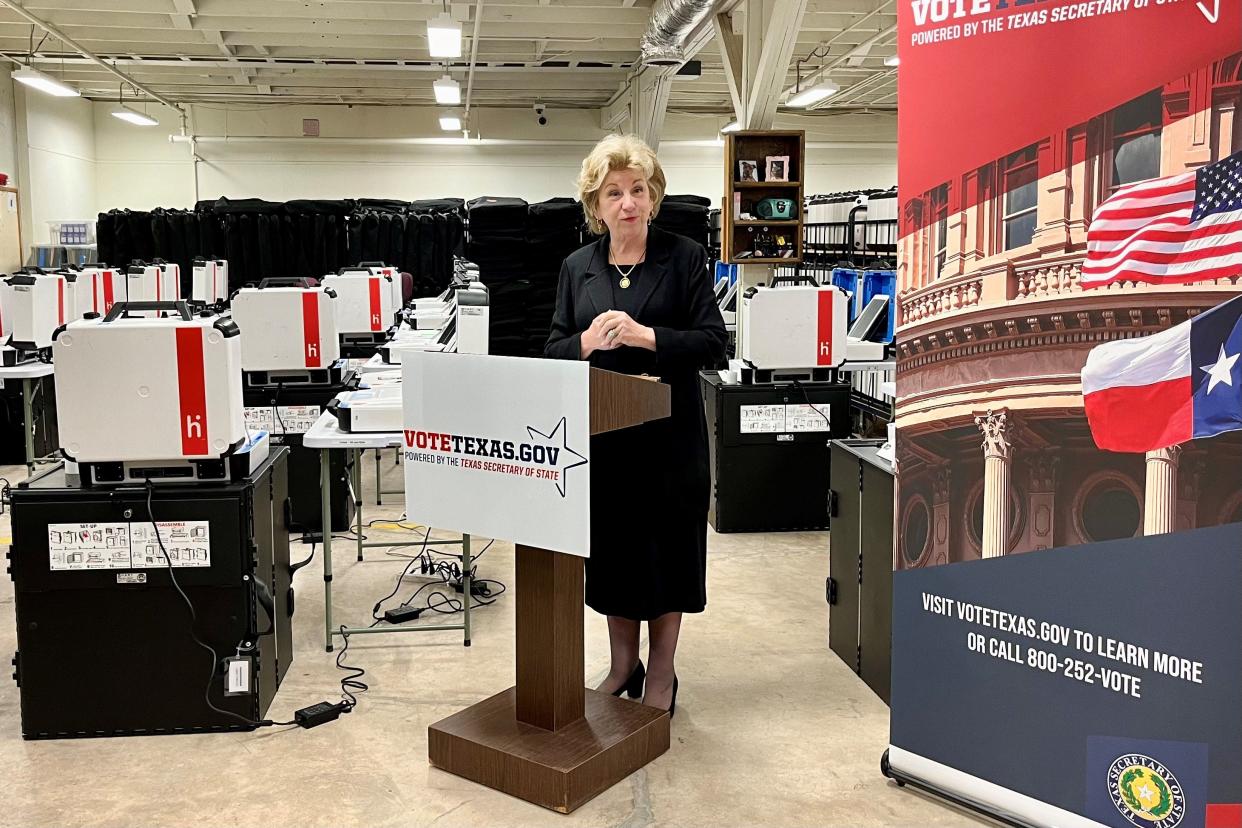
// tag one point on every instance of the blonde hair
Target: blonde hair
(617, 152)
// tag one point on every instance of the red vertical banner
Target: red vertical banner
(192, 391)
(376, 315)
(824, 343)
(310, 329)
(107, 277)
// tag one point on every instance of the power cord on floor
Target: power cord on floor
(307, 717)
(445, 573)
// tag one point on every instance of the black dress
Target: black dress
(650, 483)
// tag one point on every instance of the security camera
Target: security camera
(539, 116)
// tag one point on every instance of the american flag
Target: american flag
(1183, 228)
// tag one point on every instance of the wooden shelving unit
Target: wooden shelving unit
(777, 235)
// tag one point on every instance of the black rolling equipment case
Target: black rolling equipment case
(306, 514)
(108, 651)
(769, 481)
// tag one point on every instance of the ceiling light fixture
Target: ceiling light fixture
(892, 60)
(448, 91)
(450, 123)
(813, 94)
(444, 36)
(133, 116)
(732, 126)
(44, 83)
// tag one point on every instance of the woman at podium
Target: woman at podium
(638, 301)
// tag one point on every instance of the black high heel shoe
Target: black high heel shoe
(633, 686)
(672, 705)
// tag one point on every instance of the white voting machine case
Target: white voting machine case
(286, 328)
(37, 307)
(794, 327)
(209, 281)
(365, 307)
(148, 389)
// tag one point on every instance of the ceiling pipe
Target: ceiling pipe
(485, 142)
(474, 53)
(72, 44)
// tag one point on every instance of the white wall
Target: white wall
(57, 136)
(139, 168)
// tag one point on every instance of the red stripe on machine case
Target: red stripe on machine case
(107, 283)
(376, 321)
(310, 329)
(192, 391)
(823, 342)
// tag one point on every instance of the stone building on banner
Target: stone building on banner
(994, 450)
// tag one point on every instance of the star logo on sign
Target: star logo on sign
(1221, 371)
(568, 454)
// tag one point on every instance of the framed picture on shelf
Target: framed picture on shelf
(737, 204)
(777, 168)
(748, 171)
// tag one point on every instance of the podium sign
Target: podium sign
(499, 447)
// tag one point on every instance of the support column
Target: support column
(1160, 501)
(997, 452)
(1043, 502)
(942, 485)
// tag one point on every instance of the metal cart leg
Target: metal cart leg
(379, 490)
(358, 499)
(325, 503)
(467, 589)
(28, 422)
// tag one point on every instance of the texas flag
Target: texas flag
(1168, 388)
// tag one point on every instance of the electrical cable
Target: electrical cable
(215, 658)
(351, 682)
(807, 397)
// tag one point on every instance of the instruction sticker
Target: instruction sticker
(83, 546)
(293, 419)
(785, 419)
(763, 419)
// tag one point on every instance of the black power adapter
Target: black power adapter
(399, 615)
(477, 588)
(318, 714)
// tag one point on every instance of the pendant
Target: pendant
(625, 282)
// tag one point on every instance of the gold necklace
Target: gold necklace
(625, 274)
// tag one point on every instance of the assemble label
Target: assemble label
(81, 546)
(783, 419)
(763, 419)
(293, 419)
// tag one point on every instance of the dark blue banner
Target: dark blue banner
(1100, 679)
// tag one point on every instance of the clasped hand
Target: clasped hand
(615, 328)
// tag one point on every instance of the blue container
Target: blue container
(726, 270)
(847, 279)
(876, 282)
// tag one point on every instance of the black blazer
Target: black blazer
(674, 297)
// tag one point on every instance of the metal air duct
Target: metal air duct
(672, 22)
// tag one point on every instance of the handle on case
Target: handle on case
(123, 308)
(371, 264)
(286, 281)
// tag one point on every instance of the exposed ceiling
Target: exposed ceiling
(564, 53)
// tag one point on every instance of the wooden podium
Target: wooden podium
(549, 740)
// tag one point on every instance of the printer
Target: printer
(865, 340)
(141, 398)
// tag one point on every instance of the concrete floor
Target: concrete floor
(771, 728)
